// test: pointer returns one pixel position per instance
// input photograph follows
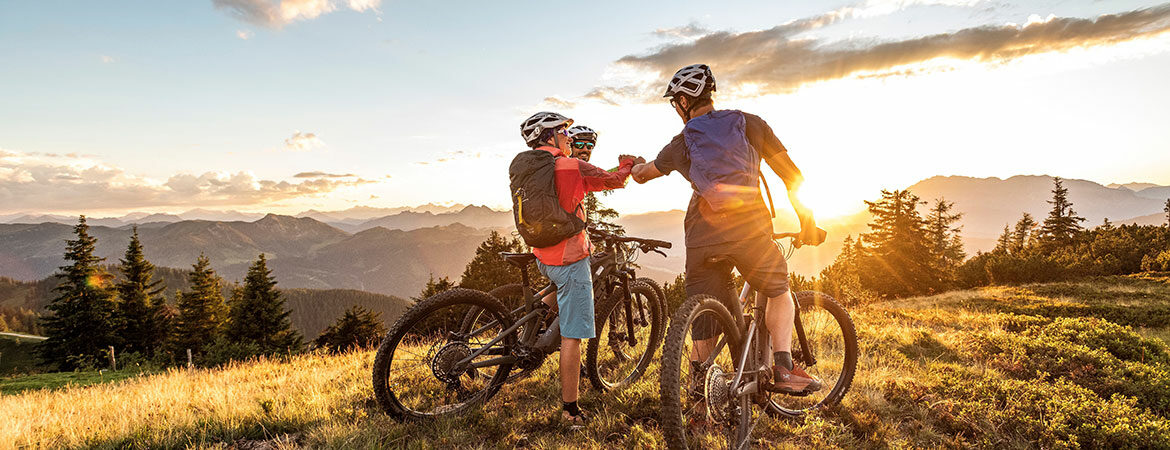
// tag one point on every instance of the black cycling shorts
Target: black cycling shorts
(759, 262)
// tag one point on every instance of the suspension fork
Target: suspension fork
(805, 350)
(630, 338)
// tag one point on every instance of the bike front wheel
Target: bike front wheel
(629, 332)
(434, 363)
(832, 342)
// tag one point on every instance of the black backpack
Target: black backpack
(538, 214)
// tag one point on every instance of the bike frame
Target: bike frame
(605, 266)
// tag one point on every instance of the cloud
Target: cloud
(106, 59)
(782, 59)
(302, 142)
(686, 31)
(457, 155)
(278, 13)
(323, 175)
(243, 34)
(54, 183)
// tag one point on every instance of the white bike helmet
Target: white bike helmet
(694, 80)
(533, 126)
(582, 132)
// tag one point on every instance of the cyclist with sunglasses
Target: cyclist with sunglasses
(719, 152)
(566, 263)
(584, 139)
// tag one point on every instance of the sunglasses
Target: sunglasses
(583, 144)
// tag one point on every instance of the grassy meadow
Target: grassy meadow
(1055, 365)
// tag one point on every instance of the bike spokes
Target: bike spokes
(443, 361)
(831, 342)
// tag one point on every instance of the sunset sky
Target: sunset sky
(282, 106)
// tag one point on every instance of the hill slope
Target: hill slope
(1063, 364)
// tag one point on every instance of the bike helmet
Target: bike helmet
(534, 126)
(582, 133)
(694, 80)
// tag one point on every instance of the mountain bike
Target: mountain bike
(455, 350)
(633, 309)
(718, 401)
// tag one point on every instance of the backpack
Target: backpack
(725, 168)
(538, 214)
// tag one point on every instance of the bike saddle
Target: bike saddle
(520, 260)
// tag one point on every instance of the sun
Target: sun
(828, 199)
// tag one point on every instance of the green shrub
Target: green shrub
(985, 410)
(1097, 355)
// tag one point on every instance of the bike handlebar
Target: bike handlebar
(647, 244)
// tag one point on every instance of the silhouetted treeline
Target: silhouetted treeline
(905, 254)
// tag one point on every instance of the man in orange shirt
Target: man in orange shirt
(566, 263)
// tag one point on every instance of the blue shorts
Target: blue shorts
(574, 297)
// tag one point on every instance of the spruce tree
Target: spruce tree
(1062, 222)
(140, 303)
(357, 328)
(487, 270)
(1022, 235)
(201, 311)
(1004, 243)
(258, 315)
(82, 324)
(1167, 209)
(433, 287)
(944, 238)
(597, 214)
(897, 258)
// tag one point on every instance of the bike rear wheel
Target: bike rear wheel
(629, 332)
(698, 408)
(421, 369)
(833, 341)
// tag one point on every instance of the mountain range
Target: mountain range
(395, 250)
(302, 252)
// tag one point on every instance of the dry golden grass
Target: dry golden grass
(924, 380)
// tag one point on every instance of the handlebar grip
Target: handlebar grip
(657, 243)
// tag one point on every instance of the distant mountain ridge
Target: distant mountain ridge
(302, 252)
(990, 203)
(351, 216)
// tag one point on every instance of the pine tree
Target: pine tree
(487, 270)
(436, 321)
(944, 238)
(1062, 222)
(1004, 243)
(1167, 209)
(83, 323)
(1023, 235)
(357, 328)
(434, 287)
(201, 311)
(597, 214)
(898, 259)
(258, 315)
(140, 305)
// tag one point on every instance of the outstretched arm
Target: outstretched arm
(646, 172)
(598, 179)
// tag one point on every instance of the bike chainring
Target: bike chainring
(528, 358)
(717, 390)
(444, 363)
